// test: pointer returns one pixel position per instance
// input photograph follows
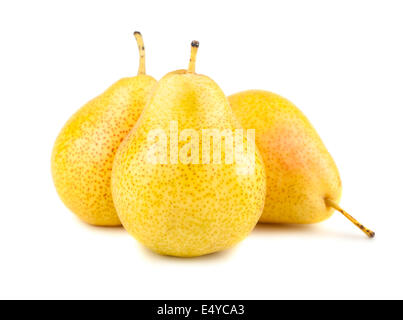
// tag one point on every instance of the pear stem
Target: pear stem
(334, 205)
(140, 44)
(193, 53)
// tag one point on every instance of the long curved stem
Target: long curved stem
(140, 44)
(334, 205)
(193, 53)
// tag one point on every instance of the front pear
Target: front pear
(171, 192)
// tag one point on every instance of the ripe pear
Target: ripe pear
(183, 205)
(303, 182)
(83, 153)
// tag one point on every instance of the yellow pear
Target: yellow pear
(303, 183)
(168, 191)
(83, 153)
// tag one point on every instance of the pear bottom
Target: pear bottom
(190, 210)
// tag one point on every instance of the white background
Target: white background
(341, 62)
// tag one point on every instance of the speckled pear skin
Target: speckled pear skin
(83, 153)
(300, 171)
(185, 210)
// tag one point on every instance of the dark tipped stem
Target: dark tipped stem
(334, 205)
(193, 53)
